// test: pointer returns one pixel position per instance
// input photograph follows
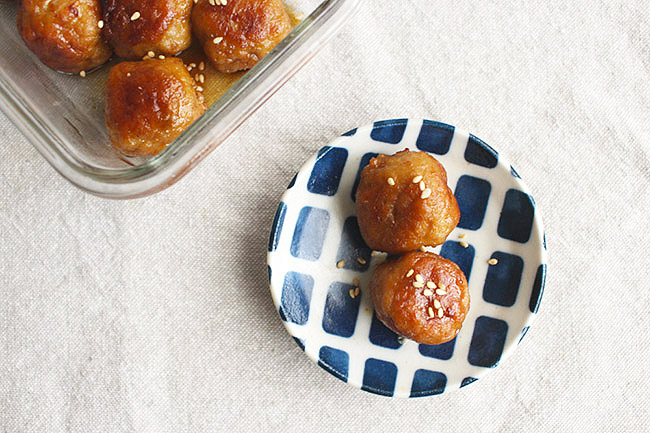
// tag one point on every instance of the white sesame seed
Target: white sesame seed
(217, 40)
(82, 74)
(196, 1)
(436, 303)
(351, 292)
(425, 194)
(390, 181)
(100, 24)
(376, 253)
(224, 2)
(440, 292)
(355, 282)
(340, 264)
(193, 65)
(199, 88)
(431, 284)
(462, 236)
(430, 310)
(362, 260)
(161, 57)
(440, 312)
(211, 2)
(419, 278)
(493, 261)
(463, 244)
(409, 273)
(427, 292)
(151, 54)
(202, 66)
(422, 186)
(418, 285)
(135, 16)
(416, 179)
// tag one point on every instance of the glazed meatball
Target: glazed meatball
(420, 296)
(133, 28)
(235, 36)
(64, 34)
(148, 104)
(403, 202)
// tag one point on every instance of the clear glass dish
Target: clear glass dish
(63, 117)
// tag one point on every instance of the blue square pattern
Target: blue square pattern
(353, 250)
(341, 311)
(380, 335)
(487, 343)
(365, 160)
(326, 174)
(502, 280)
(309, 233)
(517, 214)
(379, 377)
(463, 257)
(480, 153)
(296, 297)
(472, 194)
(334, 361)
(435, 137)
(426, 382)
(442, 351)
(389, 131)
(278, 222)
(538, 289)
(350, 133)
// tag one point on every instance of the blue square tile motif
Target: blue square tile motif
(538, 289)
(326, 174)
(463, 257)
(382, 336)
(341, 311)
(389, 131)
(487, 343)
(435, 137)
(278, 221)
(502, 280)
(309, 233)
(350, 133)
(365, 160)
(296, 297)
(352, 247)
(472, 194)
(334, 361)
(517, 214)
(439, 351)
(379, 377)
(300, 343)
(426, 382)
(293, 181)
(480, 153)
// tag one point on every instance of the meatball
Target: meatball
(64, 34)
(403, 202)
(237, 34)
(421, 296)
(148, 104)
(133, 28)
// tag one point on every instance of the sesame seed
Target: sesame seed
(419, 278)
(431, 284)
(440, 292)
(436, 303)
(340, 264)
(430, 310)
(188, 67)
(390, 181)
(442, 286)
(100, 24)
(196, 1)
(351, 292)
(493, 261)
(128, 74)
(211, 2)
(82, 74)
(427, 292)
(224, 2)
(202, 66)
(355, 282)
(425, 194)
(422, 186)
(199, 88)
(193, 65)
(440, 312)
(462, 236)
(362, 260)
(217, 40)
(161, 57)
(416, 179)
(151, 54)
(409, 273)
(135, 16)
(146, 57)
(376, 253)
(463, 244)
(356, 291)
(418, 285)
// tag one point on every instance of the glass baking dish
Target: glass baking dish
(63, 116)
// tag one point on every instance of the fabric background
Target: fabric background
(154, 315)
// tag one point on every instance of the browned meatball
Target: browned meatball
(421, 296)
(403, 202)
(64, 34)
(235, 36)
(148, 104)
(133, 27)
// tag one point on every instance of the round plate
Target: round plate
(315, 229)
